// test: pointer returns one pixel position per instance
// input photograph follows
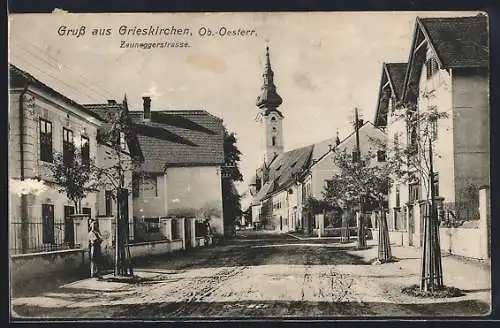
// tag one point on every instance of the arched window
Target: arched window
(274, 129)
(273, 118)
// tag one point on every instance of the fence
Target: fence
(454, 214)
(33, 237)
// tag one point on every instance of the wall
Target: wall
(471, 121)
(461, 241)
(192, 191)
(74, 262)
(54, 110)
(151, 202)
(29, 266)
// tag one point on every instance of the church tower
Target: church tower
(271, 118)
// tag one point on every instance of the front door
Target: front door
(69, 230)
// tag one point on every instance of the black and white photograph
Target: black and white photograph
(249, 165)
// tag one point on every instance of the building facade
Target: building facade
(42, 124)
(447, 71)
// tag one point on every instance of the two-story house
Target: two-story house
(181, 174)
(42, 123)
(447, 71)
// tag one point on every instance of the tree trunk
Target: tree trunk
(384, 243)
(123, 260)
(344, 232)
(361, 231)
(431, 271)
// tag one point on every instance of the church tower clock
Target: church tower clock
(271, 118)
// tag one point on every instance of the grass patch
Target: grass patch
(443, 292)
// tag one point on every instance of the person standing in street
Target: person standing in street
(95, 240)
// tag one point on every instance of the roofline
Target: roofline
(31, 79)
(379, 91)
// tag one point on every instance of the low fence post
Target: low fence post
(484, 220)
(192, 226)
(182, 233)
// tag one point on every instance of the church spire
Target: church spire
(269, 99)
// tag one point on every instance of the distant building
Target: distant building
(183, 155)
(286, 180)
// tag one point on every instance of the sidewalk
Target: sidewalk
(473, 277)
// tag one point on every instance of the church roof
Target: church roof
(284, 169)
(179, 138)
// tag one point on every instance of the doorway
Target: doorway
(69, 230)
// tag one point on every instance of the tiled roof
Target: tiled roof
(179, 138)
(18, 79)
(459, 41)
(283, 169)
(397, 73)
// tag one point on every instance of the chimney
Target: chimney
(147, 107)
(111, 102)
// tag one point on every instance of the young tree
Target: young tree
(231, 199)
(115, 175)
(75, 174)
(362, 185)
(416, 159)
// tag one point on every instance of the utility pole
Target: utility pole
(361, 230)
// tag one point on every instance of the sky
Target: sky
(325, 65)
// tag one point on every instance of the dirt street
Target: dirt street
(263, 275)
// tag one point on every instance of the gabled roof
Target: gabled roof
(394, 73)
(458, 42)
(109, 113)
(179, 138)
(283, 170)
(19, 78)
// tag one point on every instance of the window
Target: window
(123, 143)
(274, 141)
(431, 67)
(68, 146)
(87, 210)
(434, 127)
(398, 200)
(381, 156)
(108, 195)
(48, 223)
(436, 184)
(135, 185)
(413, 192)
(85, 151)
(46, 153)
(273, 118)
(355, 156)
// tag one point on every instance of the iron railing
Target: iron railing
(40, 236)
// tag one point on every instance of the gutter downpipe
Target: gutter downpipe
(24, 199)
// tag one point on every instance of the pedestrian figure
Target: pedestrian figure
(95, 240)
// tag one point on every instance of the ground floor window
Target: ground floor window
(48, 223)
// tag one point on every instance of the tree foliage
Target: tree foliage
(231, 175)
(356, 181)
(73, 176)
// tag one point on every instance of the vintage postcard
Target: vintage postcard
(274, 165)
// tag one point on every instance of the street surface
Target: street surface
(265, 275)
